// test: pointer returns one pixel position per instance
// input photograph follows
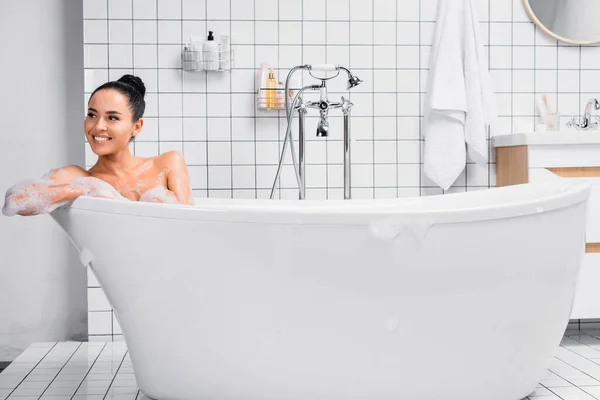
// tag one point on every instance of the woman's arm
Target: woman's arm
(178, 180)
(37, 196)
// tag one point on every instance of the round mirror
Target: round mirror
(571, 21)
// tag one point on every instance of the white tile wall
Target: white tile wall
(232, 149)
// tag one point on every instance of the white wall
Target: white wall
(42, 283)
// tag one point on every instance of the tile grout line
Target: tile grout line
(61, 368)
(26, 375)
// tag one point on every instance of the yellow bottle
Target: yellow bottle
(271, 89)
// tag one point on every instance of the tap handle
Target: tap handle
(324, 67)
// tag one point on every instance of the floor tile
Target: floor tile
(103, 371)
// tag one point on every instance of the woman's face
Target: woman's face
(109, 122)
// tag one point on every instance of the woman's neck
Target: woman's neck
(121, 163)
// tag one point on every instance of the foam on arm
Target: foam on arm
(53, 190)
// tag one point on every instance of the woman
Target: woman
(114, 118)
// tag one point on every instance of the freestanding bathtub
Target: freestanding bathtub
(462, 296)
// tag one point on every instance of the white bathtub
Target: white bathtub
(462, 296)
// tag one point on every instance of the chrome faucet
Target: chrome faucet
(586, 123)
(323, 106)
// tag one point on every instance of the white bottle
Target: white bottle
(224, 53)
(210, 53)
(261, 84)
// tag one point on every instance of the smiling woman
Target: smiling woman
(114, 118)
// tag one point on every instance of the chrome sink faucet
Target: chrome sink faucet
(585, 123)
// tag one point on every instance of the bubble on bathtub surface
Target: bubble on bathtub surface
(85, 256)
(159, 194)
(392, 324)
(390, 229)
(421, 230)
(385, 229)
(539, 209)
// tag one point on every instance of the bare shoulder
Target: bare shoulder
(67, 173)
(170, 159)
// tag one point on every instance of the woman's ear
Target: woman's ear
(137, 127)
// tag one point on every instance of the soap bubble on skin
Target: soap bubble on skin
(29, 197)
(135, 189)
(162, 174)
(159, 194)
(38, 196)
(56, 173)
(95, 187)
(180, 183)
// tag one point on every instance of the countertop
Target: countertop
(547, 138)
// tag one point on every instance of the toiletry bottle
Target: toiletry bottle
(186, 57)
(224, 53)
(261, 84)
(280, 95)
(271, 89)
(210, 53)
(197, 42)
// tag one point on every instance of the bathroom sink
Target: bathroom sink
(564, 137)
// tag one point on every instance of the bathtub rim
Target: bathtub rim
(552, 195)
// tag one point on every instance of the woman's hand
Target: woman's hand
(33, 197)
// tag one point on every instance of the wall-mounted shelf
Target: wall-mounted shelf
(279, 101)
(263, 103)
(193, 60)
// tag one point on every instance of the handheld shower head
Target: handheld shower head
(353, 80)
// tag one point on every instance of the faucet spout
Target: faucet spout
(585, 123)
(588, 110)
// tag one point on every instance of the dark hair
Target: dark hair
(132, 87)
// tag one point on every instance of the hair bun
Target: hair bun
(135, 82)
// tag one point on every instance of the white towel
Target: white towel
(459, 104)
